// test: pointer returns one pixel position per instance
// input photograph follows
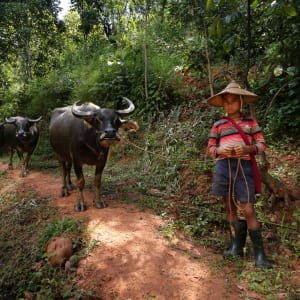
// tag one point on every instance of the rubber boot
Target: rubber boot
(238, 234)
(261, 260)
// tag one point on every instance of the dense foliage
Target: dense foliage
(103, 50)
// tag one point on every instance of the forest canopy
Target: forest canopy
(146, 51)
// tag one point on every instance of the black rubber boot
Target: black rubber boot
(261, 260)
(238, 234)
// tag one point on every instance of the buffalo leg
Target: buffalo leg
(99, 203)
(11, 154)
(64, 188)
(80, 205)
(69, 184)
(24, 164)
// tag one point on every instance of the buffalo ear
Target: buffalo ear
(32, 128)
(87, 124)
(130, 125)
(88, 121)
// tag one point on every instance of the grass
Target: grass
(19, 225)
(270, 283)
(27, 223)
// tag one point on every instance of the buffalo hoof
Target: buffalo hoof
(80, 207)
(100, 204)
(64, 192)
(71, 187)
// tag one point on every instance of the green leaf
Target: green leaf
(290, 10)
(227, 19)
(278, 71)
(210, 4)
(227, 46)
(291, 70)
(255, 3)
(211, 30)
(219, 28)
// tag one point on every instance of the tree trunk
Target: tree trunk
(162, 11)
(210, 77)
(276, 189)
(249, 42)
(252, 110)
(145, 53)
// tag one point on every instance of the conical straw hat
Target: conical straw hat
(232, 88)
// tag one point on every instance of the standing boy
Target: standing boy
(233, 142)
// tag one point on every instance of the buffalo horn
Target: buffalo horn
(79, 113)
(10, 120)
(35, 120)
(128, 110)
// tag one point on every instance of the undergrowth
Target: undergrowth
(27, 223)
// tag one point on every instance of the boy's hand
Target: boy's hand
(240, 150)
(227, 151)
(236, 151)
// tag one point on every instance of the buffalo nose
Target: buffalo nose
(110, 132)
(21, 133)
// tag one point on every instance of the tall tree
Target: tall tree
(106, 13)
(28, 34)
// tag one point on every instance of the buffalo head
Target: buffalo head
(105, 121)
(23, 126)
(20, 134)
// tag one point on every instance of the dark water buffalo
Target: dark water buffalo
(82, 135)
(21, 134)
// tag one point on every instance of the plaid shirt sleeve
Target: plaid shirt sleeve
(213, 142)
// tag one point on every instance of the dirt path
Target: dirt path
(132, 259)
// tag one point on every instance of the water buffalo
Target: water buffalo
(82, 135)
(22, 134)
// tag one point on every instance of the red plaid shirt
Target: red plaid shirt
(223, 134)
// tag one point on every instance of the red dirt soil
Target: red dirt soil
(132, 259)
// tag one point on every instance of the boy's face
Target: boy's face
(231, 103)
